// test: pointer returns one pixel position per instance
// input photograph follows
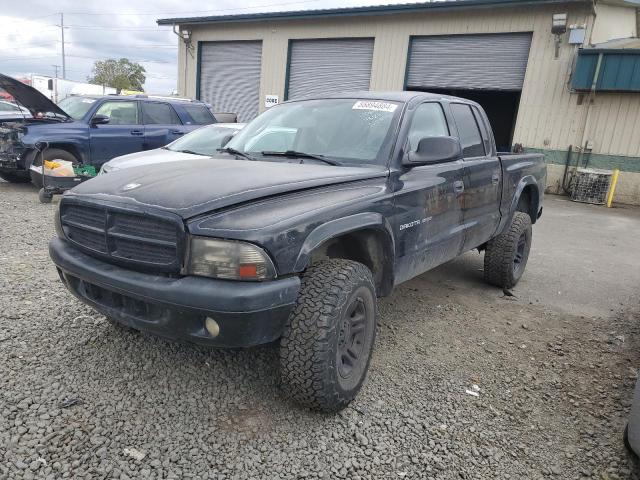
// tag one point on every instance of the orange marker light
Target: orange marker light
(248, 271)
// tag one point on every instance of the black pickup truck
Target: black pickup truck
(310, 213)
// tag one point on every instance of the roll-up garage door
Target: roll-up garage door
(469, 62)
(322, 67)
(230, 77)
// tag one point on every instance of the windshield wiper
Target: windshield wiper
(294, 154)
(191, 152)
(233, 151)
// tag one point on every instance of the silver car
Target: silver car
(204, 141)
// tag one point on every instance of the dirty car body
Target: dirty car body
(134, 244)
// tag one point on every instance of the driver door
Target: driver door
(123, 134)
(428, 211)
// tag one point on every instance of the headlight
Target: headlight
(229, 260)
(105, 169)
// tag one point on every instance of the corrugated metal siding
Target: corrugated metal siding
(619, 72)
(486, 62)
(321, 67)
(549, 115)
(230, 77)
(614, 124)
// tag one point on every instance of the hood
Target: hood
(149, 157)
(206, 185)
(29, 97)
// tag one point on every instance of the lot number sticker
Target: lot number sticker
(373, 105)
(271, 100)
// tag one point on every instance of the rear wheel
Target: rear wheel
(50, 154)
(328, 340)
(15, 177)
(506, 256)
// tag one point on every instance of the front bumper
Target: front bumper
(248, 313)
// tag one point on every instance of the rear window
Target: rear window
(470, 139)
(159, 114)
(200, 114)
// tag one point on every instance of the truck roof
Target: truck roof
(393, 96)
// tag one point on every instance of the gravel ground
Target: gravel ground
(81, 399)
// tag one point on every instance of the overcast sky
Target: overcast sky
(99, 29)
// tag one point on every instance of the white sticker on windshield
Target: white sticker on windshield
(87, 100)
(375, 105)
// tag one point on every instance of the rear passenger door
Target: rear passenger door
(161, 124)
(428, 215)
(482, 176)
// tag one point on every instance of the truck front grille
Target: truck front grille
(152, 242)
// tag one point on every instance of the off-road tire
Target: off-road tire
(312, 367)
(625, 439)
(50, 154)
(15, 177)
(504, 259)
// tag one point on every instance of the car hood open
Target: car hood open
(210, 184)
(29, 97)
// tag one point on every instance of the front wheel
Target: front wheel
(506, 256)
(328, 340)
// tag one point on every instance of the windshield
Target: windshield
(347, 130)
(203, 141)
(76, 107)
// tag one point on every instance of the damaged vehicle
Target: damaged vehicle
(88, 130)
(312, 212)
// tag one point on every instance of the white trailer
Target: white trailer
(57, 89)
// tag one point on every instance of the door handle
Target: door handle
(177, 132)
(137, 132)
(495, 178)
(458, 186)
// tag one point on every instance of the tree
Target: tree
(120, 74)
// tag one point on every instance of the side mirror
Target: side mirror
(99, 120)
(435, 150)
(226, 139)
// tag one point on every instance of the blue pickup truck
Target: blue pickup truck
(89, 130)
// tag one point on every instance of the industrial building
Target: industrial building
(554, 76)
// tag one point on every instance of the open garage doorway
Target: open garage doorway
(501, 108)
(488, 68)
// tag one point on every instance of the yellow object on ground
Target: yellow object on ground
(612, 187)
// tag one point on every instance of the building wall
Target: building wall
(550, 117)
(613, 22)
